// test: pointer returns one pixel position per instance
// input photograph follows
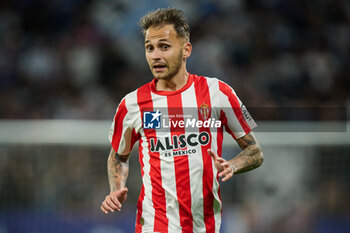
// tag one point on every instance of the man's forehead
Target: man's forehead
(160, 33)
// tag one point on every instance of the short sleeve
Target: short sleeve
(122, 135)
(234, 115)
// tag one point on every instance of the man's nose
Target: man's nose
(156, 54)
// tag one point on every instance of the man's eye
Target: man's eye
(149, 48)
(165, 46)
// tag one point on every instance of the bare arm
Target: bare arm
(249, 158)
(118, 170)
(251, 155)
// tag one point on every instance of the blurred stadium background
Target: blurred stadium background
(65, 65)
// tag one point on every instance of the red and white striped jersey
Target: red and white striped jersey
(180, 188)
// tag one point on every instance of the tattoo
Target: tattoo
(251, 156)
(118, 170)
(246, 141)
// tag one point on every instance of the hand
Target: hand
(113, 201)
(225, 168)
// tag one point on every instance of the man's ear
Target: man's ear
(187, 50)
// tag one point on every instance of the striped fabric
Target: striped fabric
(180, 190)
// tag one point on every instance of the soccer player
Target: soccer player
(180, 158)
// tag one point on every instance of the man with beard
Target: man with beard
(180, 164)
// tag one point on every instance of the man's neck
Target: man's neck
(173, 84)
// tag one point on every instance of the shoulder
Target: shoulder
(214, 83)
(133, 98)
(224, 87)
(209, 80)
(129, 98)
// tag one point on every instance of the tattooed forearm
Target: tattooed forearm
(118, 170)
(251, 156)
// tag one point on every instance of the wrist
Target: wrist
(234, 167)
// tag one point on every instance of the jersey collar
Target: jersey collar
(187, 85)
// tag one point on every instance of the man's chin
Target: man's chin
(163, 75)
(159, 76)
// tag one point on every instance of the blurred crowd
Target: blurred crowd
(77, 59)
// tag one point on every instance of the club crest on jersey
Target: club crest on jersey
(204, 110)
(152, 120)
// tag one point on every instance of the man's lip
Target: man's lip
(154, 65)
(158, 67)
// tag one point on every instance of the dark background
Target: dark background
(63, 59)
(77, 59)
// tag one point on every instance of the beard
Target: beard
(172, 71)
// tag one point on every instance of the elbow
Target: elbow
(260, 156)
